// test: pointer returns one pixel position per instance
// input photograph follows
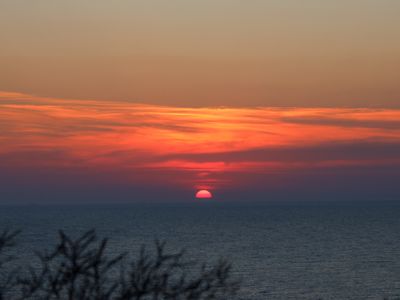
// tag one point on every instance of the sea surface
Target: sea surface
(279, 251)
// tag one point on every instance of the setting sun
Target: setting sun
(203, 194)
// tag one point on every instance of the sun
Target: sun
(203, 194)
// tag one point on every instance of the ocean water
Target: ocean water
(279, 251)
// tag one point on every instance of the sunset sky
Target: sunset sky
(152, 100)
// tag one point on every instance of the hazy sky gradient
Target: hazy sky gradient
(208, 52)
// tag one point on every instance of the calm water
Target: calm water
(302, 251)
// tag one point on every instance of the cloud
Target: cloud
(372, 149)
(184, 148)
(343, 122)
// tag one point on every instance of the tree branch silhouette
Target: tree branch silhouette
(81, 269)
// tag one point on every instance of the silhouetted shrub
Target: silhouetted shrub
(81, 269)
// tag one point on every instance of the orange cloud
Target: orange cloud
(191, 147)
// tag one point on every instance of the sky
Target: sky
(204, 53)
(151, 100)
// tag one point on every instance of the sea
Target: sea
(317, 250)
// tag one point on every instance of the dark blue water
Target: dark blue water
(287, 251)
